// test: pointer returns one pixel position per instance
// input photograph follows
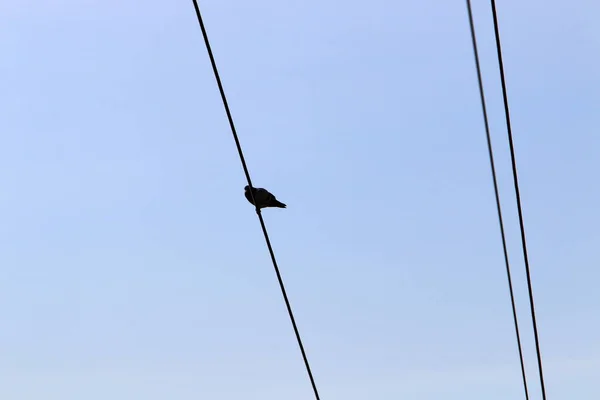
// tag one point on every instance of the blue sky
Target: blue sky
(132, 267)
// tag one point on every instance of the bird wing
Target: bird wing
(262, 196)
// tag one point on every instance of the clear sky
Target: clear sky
(132, 267)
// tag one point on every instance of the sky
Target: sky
(132, 267)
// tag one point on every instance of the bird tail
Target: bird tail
(277, 203)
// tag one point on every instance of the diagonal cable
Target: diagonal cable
(518, 198)
(262, 222)
(497, 194)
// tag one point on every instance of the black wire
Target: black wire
(497, 193)
(518, 197)
(262, 222)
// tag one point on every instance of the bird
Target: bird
(263, 198)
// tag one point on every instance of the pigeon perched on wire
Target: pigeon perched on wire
(262, 197)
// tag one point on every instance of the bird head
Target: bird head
(246, 188)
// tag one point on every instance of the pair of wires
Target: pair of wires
(517, 196)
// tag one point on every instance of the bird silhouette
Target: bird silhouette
(263, 198)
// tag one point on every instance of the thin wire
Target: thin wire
(497, 193)
(518, 197)
(262, 222)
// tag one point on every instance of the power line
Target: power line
(262, 222)
(518, 197)
(497, 194)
